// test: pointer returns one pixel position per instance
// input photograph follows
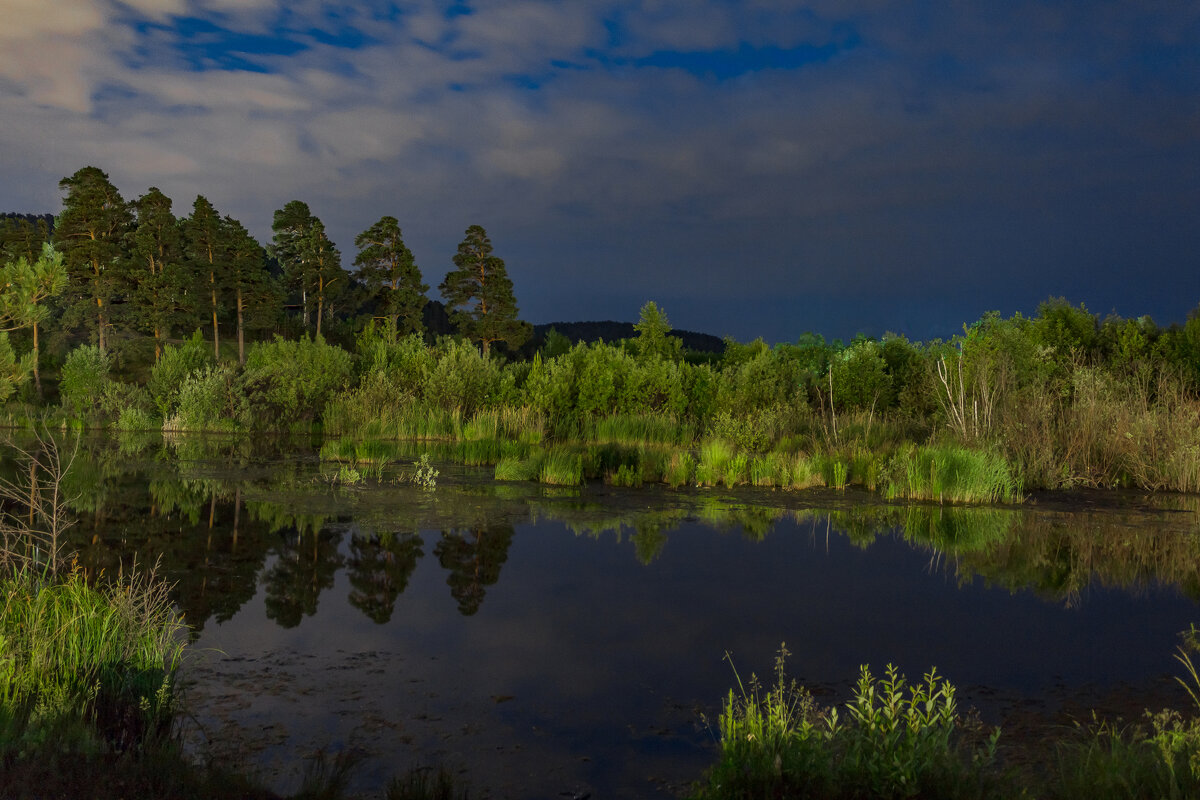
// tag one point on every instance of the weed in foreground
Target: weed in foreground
(893, 741)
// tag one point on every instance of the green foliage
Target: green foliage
(27, 285)
(949, 473)
(463, 379)
(209, 400)
(160, 298)
(681, 469)
(654, 339)
(561, 466)
(84, 377)
(861, 380)
(292, 381)
(719, 463)
(895, 741)
(90, 233)
(479, 294)
(424, 474)
(173, 368)
(70, 650)
(14, 371)
(393, 280)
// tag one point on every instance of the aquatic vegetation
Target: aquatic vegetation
(950, 473)
(891, 740)
(562, 466)
(424, 474)
(680, 469)
(513, 468)
(716, 463)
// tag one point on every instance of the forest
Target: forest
(120, 315)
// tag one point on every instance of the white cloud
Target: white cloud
(32, 20)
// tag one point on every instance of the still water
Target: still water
(561, 642)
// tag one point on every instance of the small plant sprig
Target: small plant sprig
(425, 475)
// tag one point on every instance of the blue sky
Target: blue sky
(759, 168)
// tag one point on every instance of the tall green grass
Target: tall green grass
(105, 653)
(950, 473)
(637, 429)
(562, 466)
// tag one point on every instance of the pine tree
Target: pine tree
(90, 233)
(160, 297)
(322, 273)
(291, 226)
(21, 236)
(386, 266)
(479, 294)
(27, 285)
(254, 293)
(208, 248)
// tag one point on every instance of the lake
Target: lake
(569, 642)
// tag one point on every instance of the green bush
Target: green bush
(174, 367)
(84, 377)
(463, 379)
(209, 400)
(290, 382)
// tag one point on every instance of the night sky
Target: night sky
(758, 168)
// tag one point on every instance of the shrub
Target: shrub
(463, 379)
(84, 376)
(289, 382)
(174, 366)
(209, 400)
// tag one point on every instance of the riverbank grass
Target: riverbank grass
(950, 474)
(74, 654)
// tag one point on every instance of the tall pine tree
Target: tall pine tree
(90, 233)
(291, 226)
(160, 297)
(208, 248)
(479, 294)
(386, 266)
(254, 293)
(323, 276)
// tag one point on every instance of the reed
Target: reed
(716, 457)
(950, 473)
(680, 469)
(562, 466)
(516, 468)
(104, 653)
(637, 430)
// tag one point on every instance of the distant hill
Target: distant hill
(611, 331)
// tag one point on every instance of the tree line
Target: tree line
(120, 268)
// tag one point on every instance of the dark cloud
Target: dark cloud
(759, 168)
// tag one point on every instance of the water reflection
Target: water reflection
(223, 516)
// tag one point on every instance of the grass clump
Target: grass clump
(104, 654)
(894, 740)
(717, 463)
(425, 783)
(516, 468)
(950, 473)
(561, 467)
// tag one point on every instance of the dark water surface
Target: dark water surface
(554, 643)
